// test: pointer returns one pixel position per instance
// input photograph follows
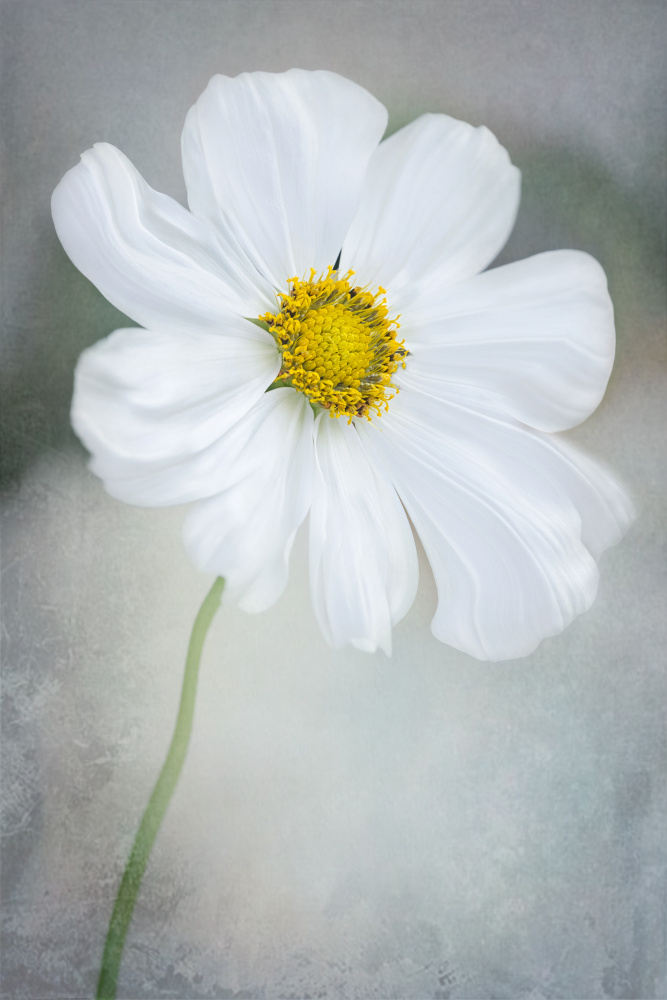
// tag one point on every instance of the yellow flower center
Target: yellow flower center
(337, 344)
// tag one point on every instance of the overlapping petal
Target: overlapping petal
(149, 256)
(438, 204)
(363, 563)
(511, 520)
(535, 339)
(146, 403)
(245, 532)
(279, 161)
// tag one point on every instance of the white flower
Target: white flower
(285, 175)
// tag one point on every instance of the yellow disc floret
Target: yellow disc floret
(337, 344)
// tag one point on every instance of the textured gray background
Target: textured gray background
(346, 826)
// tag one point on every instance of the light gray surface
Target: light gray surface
(346, 826)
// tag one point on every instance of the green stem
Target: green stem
(158, 802)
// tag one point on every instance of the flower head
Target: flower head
(319, 338)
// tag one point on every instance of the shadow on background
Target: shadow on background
(36, 403)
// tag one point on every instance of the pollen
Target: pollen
(338, 344)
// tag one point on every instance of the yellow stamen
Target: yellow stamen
(337, 344)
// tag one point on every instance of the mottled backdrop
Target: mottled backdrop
(346, 826)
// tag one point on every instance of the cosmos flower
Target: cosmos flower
(319, 338)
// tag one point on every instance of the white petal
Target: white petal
(535, 338)
(145, 403)
(363, 562)
(245, 532)
(278, 160)
(149, 256)
(438, 204)
(511, 520)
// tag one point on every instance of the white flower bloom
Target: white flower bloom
(285, 175)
